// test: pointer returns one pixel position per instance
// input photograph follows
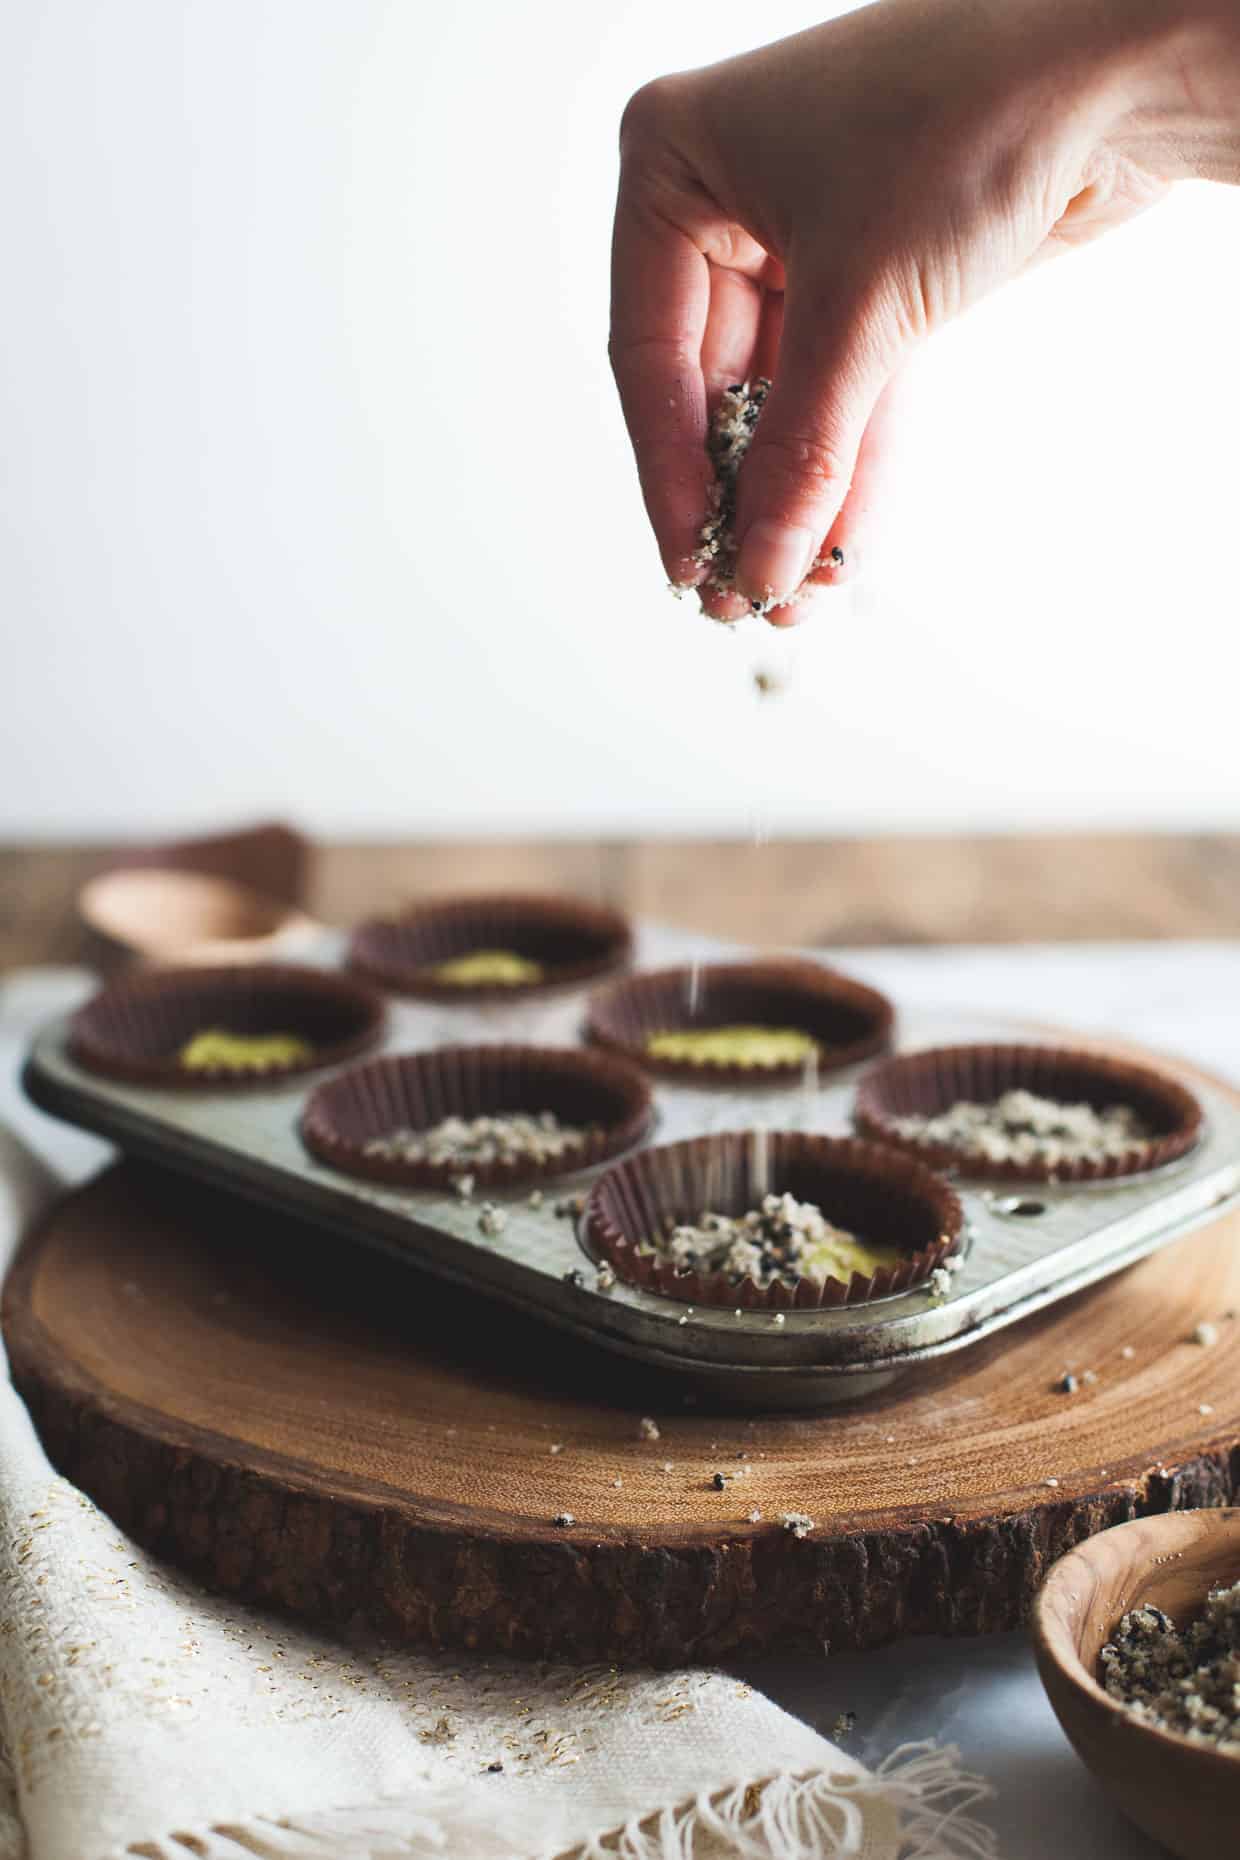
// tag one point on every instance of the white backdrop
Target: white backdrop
(315, 495)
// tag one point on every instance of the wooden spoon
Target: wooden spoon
(1186, 1795)
(166, 915)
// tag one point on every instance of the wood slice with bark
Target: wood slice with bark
(334, 1434)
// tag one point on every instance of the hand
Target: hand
(812, 210)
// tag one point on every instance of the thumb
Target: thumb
(797, 471)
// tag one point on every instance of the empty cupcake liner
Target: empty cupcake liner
(927, 1083)
(136, 1028)
(879, 1194)
(571, 940)
(415, 1091)
(848, 1021)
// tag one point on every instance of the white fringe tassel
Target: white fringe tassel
(919, 1790)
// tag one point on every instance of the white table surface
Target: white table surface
(982, 1695)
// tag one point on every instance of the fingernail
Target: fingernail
(775, 558)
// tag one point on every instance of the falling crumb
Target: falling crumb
(557, 1446)
(719, 1481)
(574, 1276)
(647, 1429)
(1205, 1407)
(563, 1519)
(1067, 1384)
(464, 1186)
(940, 1282)
(1206, 1335)
(669, 1466)
(1127, 1352)
(535, 1198)
(778, 1318)
(797, 1522)
(605, 1278)
(1050, 1482)
(754, 1516)
(954, 1263)
(492, 1220)
(618, 1484)
(846, 1722)
(682, 1319)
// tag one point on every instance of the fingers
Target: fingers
(799, 468)
(742, 338)
(766, 348)
(844, 550)
(660, 302)
(731, 336)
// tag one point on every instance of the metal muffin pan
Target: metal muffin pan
(1024, 1250)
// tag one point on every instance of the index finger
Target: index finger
(660, 300)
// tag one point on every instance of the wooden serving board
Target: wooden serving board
(342, 1437)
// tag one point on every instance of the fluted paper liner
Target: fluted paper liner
(927, 1083)
(135, 1028)
(572, 941)
(848, 1021)
(879, 1195)
(415, 1091)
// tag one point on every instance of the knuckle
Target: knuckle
(645, 113)
(805, 461)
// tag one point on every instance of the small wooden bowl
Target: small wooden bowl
(172, 916)
(1184, 1794)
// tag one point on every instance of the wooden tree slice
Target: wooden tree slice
(336, 1435)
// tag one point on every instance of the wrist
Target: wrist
(1178, 87)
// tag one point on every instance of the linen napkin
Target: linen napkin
(142, 1716)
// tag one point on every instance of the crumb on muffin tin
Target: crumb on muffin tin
(783, 1241)
(502, 1136)
(1022, 1127)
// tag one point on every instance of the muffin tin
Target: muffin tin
(1023, 1248)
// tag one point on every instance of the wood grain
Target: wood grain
(1185, 1795)
(368, 1445)
(788, 892)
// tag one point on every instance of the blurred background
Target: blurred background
(317, 501)
(318, 498)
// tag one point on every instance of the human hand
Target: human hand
(813, 210)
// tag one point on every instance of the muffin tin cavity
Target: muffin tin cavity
(929, 1084)
(844, 1021)
(883, 1198)
(275, 1021)
(350, 1121)
(490, 949)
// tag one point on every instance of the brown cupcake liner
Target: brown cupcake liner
(414, 1091)
(926, 1083)
(848, 1020)
(879, 1194)
(572, 940)
(135, 1028)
